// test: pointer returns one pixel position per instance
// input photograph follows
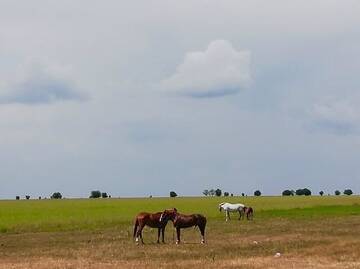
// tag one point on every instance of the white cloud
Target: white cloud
(339, 116)
(217, 71)
(35, 83)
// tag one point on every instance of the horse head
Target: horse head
(220, 206)
(168, 214)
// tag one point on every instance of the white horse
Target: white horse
(227, 207)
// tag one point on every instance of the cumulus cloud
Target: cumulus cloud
(336, 116)
(38, 84)
(219, 70)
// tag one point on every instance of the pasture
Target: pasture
(309, 232)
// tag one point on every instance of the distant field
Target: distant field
(309, 232)
(79, 214)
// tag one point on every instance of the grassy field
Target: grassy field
(309, 232)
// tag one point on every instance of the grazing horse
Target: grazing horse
(249, 212)
(184, 221)
(152, 220)
(227, 207)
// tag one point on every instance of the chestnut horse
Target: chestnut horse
(152, 220)
(184, 221)
(249, 212)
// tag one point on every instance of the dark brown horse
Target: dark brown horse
(184, 221)
(248, 212)
(152, 220)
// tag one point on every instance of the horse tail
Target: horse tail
(136, 227)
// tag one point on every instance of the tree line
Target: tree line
(219, 192)
(211, 192)
(307, 192)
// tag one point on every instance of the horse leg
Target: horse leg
(141, 227)
(158, 241)
(177, 235)
(163, 234)
(139, 233)
(228, 214)
(240, 215)
(142, 241)
(202, 231)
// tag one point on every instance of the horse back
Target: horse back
(150, 219)
(185, 221)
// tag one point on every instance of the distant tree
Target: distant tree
(337, 192)
(56, 195)
(17, 197)
(348, 192)
(299, 192)
(27, 197)
(95, 194)
(149, 196)
(206, 192)
(104, 195)
(226, 193)
(257, 193)
(218, 192)
(212, 192)
(321, 193)
(306, 192)
(232, 195)
(173, 194)
(242, 194)
(110, 196)
(39, 197)
(287, 193)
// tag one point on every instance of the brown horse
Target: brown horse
(184, 221)
(152, 220)
(249, 212)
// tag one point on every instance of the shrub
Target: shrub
(218, 192)
(226, 193)
(173, 194)
(299, 192)
(337, 192)
(27, 197)
(95, 194)
(243, 194)
(56, 195)
(104, 195)
(348, 192)
(206, 192)
(212, 192)
(232, 195)
(321, 193)
(306, 192)
(287, 193)
(257, 193)
(17, 197)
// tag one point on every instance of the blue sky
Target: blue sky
(139, 98)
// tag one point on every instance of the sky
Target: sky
(139, 98)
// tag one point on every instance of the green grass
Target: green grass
(91, 214)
